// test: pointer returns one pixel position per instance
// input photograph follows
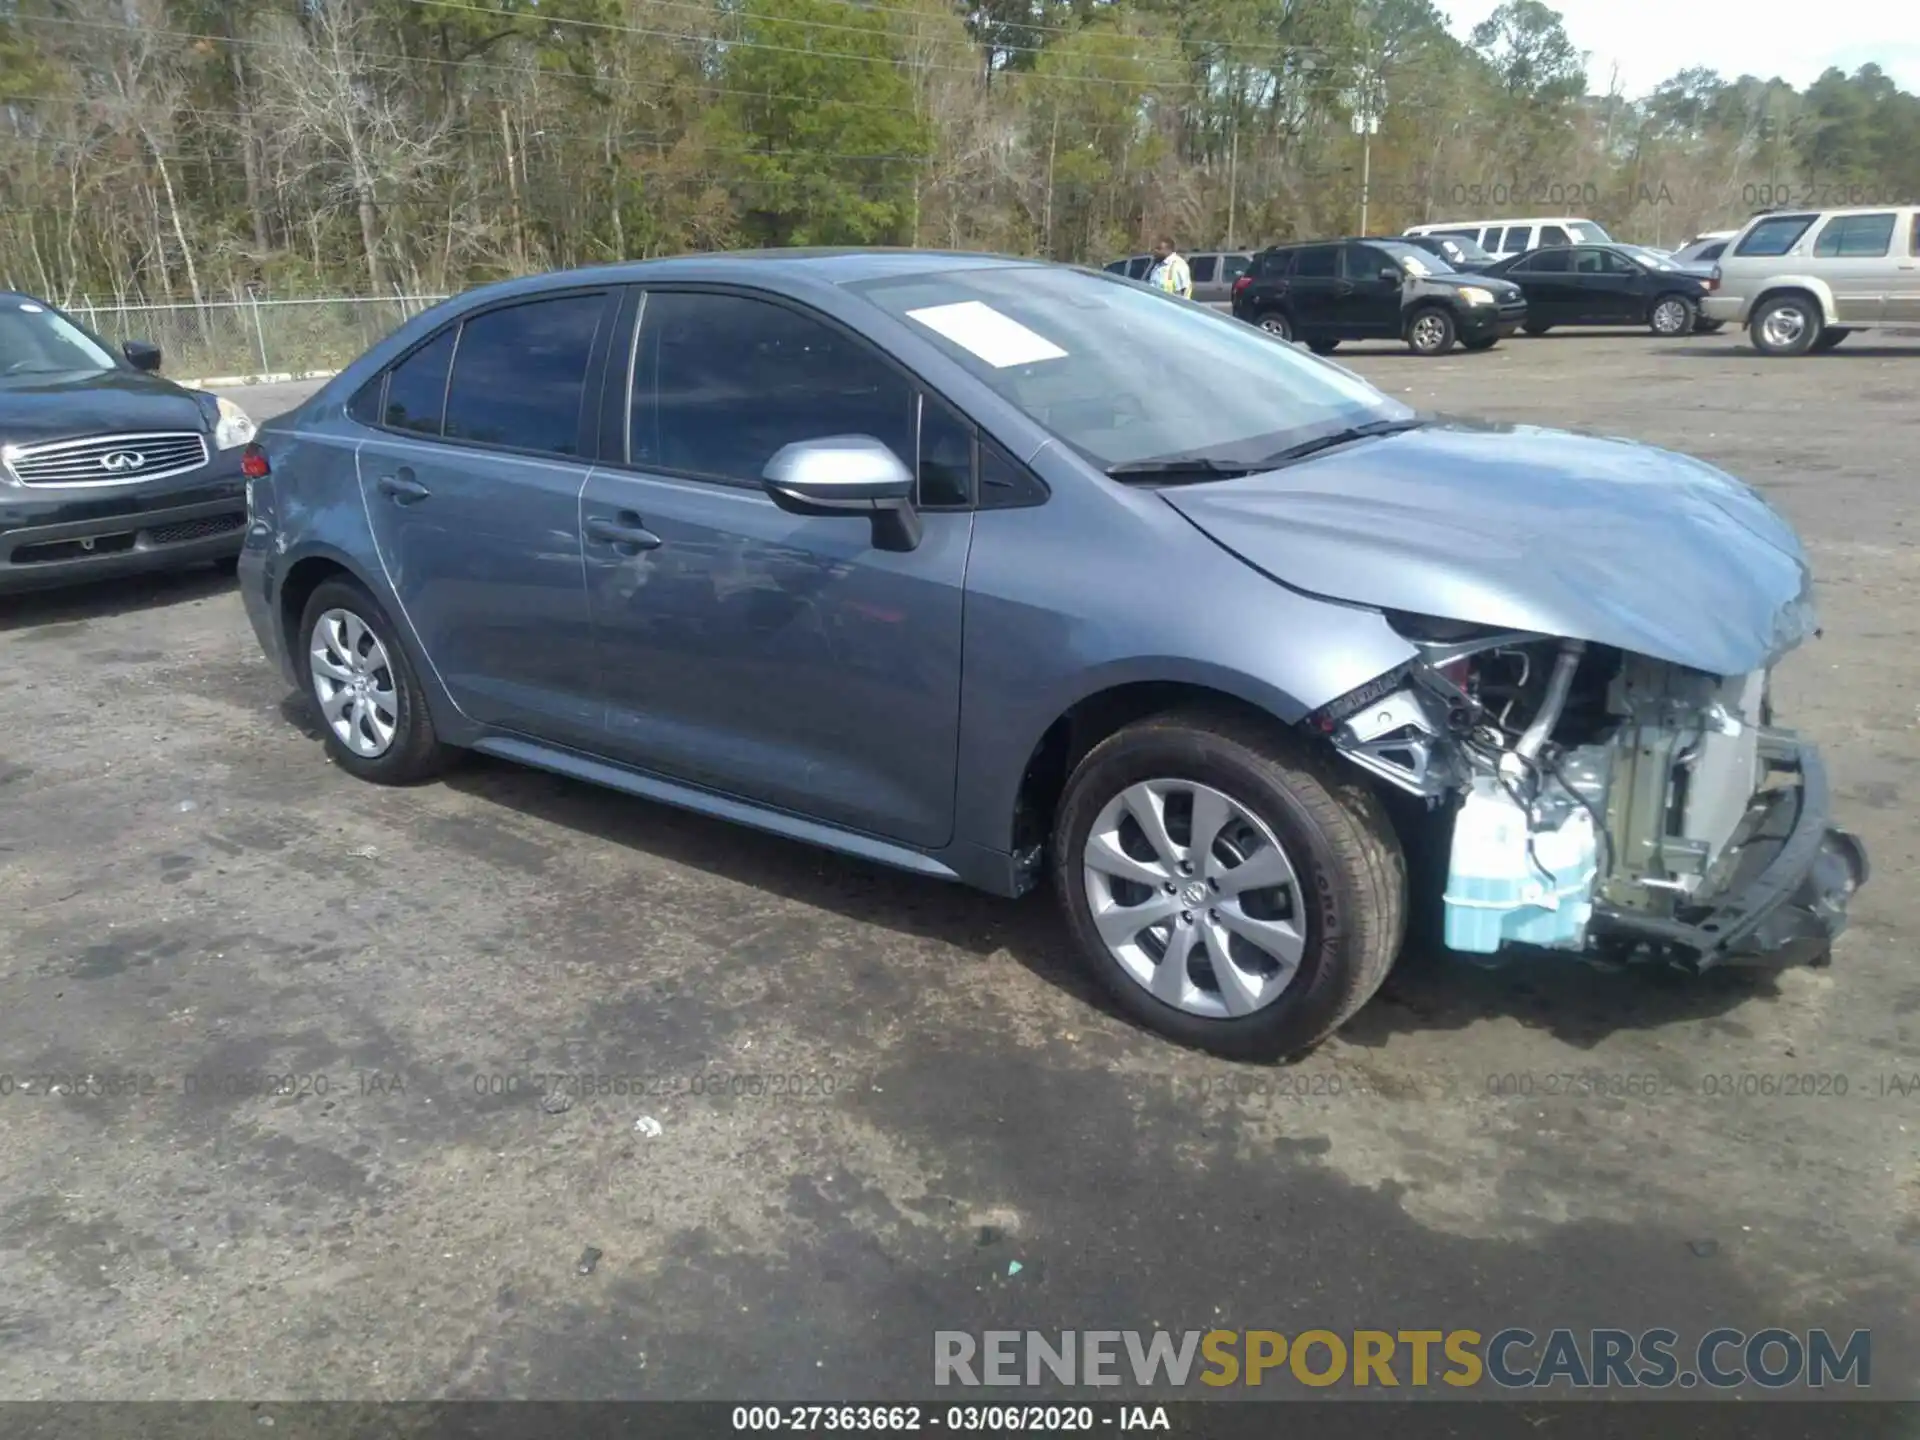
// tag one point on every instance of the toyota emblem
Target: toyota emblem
(121, 462)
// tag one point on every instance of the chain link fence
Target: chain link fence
(255, 336)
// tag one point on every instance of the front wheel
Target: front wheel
(1671, 315)
(1829, 337)
(1704, 326)
(1229, 888)
(1323, 347)
(370, 703)
(1785, 326)
(1430, 331)
(1276, 324)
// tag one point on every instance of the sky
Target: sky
(1651, 40)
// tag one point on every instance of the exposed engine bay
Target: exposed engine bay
(1605, 802)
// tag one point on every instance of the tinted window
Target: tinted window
(1554, 235)
(724, 381)
(1589, 262)
(1118, 267)
(1775, 235)
(1005, 484)
(1138, 266)
(520, 374)
(946, 457)
(1913, 242)
(417, 388)
(1713, 251)
(365, 405)
(1613, 263)
(1548, 262)
(1272, 264)
(1232, 267)
(1317, 262)
(1518, 237)
(1859, 235)
(1202, 267)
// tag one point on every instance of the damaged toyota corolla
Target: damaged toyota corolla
(997, 571)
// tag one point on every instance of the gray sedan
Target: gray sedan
(1011, 574)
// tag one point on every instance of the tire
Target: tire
(1704, 326)
(227, 565)
(1785, 325)
(1828, 338)
(1534, 327)
(1430, 331)
(1346, 902)
(1323, 347)
(1672, 315)
(412, 751)
(1275, 323)
(1486, 343)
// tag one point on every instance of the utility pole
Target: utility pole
(1366, 124)
(1233, 162)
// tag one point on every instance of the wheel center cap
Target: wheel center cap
(1194, 894)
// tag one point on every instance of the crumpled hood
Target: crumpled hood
(1606, 541)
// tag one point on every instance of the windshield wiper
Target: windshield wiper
(1338, 437)
(1173, 467)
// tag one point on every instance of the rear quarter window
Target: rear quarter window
(1775, 235)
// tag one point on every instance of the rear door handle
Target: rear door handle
(402, 488)
(624, 532)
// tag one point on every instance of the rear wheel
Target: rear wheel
(1828, 338)
(1785, 325)
(1323, 347)
(370, 704)
(1430, 331)
(1229, 889)
(1275, 323)
(1671, 315)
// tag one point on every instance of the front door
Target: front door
(774, 657)
(1855, 256)
(471, 483)
(1372, 306)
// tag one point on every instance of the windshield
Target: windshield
(1652, 259)
(1413, 258)
(35, 341)
(1455, 248)
(1124, 375)
(1590, 233)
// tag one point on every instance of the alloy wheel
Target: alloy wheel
(353, 682)
(1276, 325)
(1670, 317)
(1784, 326)
(1428, 332)
(1194, 896)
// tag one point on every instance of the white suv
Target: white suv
(1802, 281)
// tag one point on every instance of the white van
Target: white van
(1512, 237)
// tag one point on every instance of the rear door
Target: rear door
(770, 656)
(1317, 289)
(471, 484)
(1854, 254)
(1546, 277)
(1903, 290)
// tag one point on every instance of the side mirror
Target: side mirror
(847, 475)
(1391, 275)
(141, 354)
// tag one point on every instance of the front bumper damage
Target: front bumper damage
(1643, 810)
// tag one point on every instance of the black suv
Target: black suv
(1327, 291)
(106, 468)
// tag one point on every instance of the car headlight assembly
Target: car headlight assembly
(1475, 295)
(232, 426)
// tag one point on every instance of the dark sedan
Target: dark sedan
(105, 467)
(1602, 285)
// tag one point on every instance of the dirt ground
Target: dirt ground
(874, 1094)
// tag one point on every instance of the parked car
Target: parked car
(107, 468)
(1214, 272)
(1460, 253)
(705, 530)
(1657, 259)
(1515, 237)
(1602, 285)
(1704, 249)
(1802, 281)
(1334, 290)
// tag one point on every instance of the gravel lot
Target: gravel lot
(191, 892)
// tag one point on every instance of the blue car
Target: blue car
(1011, 574)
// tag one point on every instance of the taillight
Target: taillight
(1242, 283)
(253, 463)
(1713, 280)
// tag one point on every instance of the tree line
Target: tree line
(194, 149)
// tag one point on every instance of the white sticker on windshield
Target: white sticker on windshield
(998, 339)
(31, 308)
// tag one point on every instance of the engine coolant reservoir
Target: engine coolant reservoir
(1499, 893)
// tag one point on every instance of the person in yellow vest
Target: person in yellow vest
(1170, 272)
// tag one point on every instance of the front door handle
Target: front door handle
(624, 532)
(402, 488)
(1345, 287)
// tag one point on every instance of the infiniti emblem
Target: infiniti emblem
(119, 462)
